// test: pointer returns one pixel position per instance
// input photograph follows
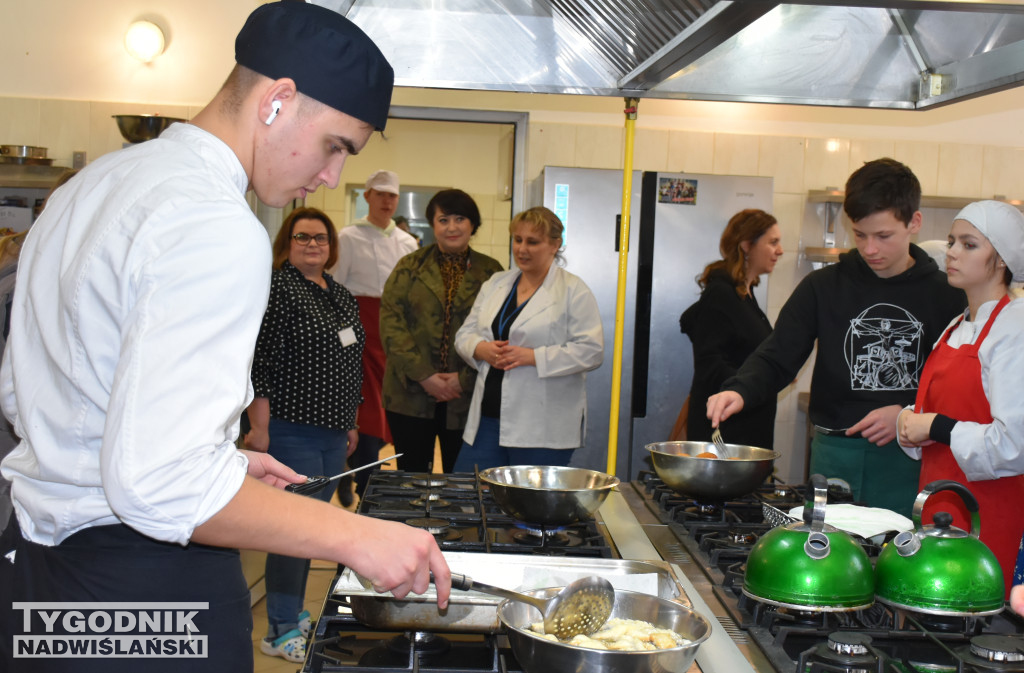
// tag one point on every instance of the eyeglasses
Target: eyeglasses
(304, 239)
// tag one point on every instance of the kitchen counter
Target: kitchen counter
(632, 529)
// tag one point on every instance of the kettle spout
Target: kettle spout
(907, 543)
(817, 545)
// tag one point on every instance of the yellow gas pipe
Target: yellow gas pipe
(620, 300)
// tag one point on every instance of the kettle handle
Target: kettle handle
(814, 507)
(817, 545)
(948, 485)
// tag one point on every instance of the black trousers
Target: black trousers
(415, 437)
(94, 568)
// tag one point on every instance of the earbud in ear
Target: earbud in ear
(276, 105)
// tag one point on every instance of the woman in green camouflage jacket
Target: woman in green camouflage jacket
(427, 386)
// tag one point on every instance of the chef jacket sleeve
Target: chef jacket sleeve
(583, 345)
(996, 449)
(200, 278)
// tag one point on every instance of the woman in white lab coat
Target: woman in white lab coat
(533, 334)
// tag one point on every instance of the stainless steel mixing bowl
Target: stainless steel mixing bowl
(711, 480)
(546, 495)
(540, 655)
(138, 128)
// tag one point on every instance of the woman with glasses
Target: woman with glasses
(306, 376)
(425, 301)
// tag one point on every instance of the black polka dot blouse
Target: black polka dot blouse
(302, 363)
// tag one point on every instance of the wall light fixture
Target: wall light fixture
(144, 40)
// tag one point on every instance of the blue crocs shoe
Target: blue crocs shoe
(305, 622)
(290, 646)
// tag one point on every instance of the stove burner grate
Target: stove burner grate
(843, 653)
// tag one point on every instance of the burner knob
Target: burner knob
(849, 643)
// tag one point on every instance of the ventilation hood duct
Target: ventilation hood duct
(903, 54)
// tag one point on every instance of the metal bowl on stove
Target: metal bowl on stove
(711, 480)
(537, 654)
(139, 128)
(547, 495)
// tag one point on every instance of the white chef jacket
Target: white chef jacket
(139, 298)
(996, 449)
(543, 406)
(367, 254)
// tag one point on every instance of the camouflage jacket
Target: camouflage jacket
(411, 321)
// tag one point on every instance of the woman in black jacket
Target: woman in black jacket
(726, 325)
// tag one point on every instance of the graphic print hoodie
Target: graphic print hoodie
(873, 335)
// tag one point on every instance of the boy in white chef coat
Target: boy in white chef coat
(141, 291)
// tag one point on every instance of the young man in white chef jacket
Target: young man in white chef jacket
(140, 295)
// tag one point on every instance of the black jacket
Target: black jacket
(873, 336)
(724, 330)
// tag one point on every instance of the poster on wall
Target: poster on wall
(677, 190)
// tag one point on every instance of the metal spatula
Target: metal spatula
(581, 607)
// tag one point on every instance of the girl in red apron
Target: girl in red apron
(967, 423)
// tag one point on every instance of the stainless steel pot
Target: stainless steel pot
(139, 128)
(941, 569)
(540, 655)
(711, 480)
(810, 565)
(547, 495)
(23, 151)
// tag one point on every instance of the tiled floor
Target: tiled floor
(320, 575)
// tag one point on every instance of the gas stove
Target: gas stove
(463, 517)
(465, 521)
(710, 542)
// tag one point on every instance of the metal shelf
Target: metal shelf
(836, 196)
(14, 176)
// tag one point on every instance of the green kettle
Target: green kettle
(810, 565)
(940, 569)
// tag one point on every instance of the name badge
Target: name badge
(347, 336)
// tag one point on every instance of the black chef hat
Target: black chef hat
(329, 57)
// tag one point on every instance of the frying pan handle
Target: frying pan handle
(948, 485)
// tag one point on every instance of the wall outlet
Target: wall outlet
(78, 160)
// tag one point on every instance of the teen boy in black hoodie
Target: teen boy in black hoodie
(875, 315)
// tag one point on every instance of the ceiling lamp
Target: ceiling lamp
(144, 40)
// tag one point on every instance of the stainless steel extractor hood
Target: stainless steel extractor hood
(909, 54)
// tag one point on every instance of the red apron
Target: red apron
(951, 385)
(371, 412)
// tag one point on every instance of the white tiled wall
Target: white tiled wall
(447, 154)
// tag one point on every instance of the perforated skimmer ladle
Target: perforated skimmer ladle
(581, 607)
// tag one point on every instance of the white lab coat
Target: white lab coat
(543, 406)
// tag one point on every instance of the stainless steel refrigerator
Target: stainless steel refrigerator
(676, 222)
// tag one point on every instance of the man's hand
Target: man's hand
(723, 405)
(353, 441)
(443, 387)
(879, 426)
(399, 559)
(915, 429)
(271, 471)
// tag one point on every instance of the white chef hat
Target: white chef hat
(1003, 225)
